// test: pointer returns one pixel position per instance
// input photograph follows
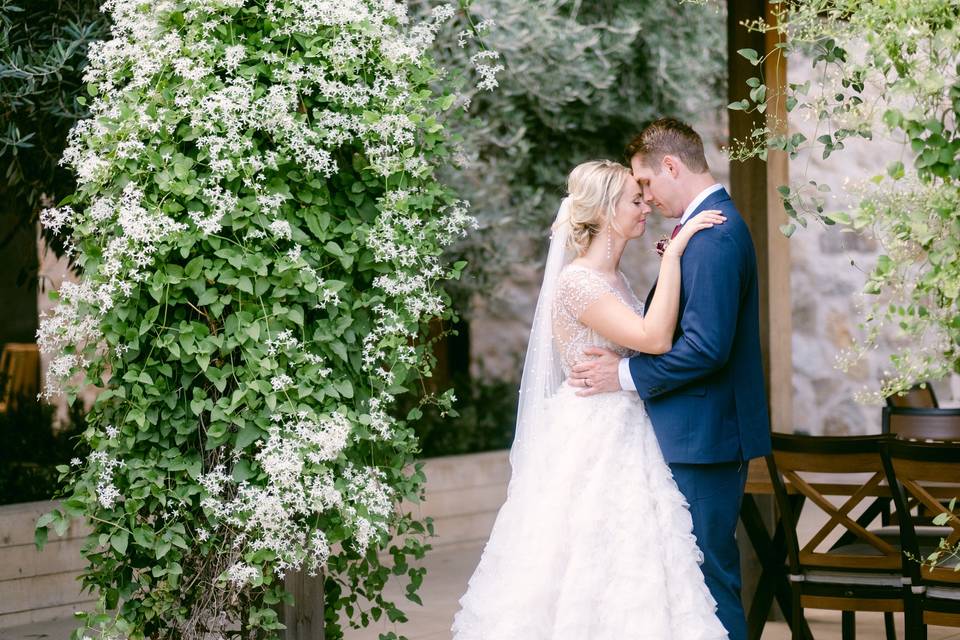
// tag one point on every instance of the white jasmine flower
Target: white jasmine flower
(281, 229)
(241, 574)
(281, 382)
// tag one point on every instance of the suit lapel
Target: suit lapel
(710, 202)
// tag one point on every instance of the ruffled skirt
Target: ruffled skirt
(594, 541)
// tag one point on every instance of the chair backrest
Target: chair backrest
(919, 397)
(927, 473)
(922, 424)
(19, 372)
(836, 475)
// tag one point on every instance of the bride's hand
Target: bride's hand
(704, 220)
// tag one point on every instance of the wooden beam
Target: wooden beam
(753, 186)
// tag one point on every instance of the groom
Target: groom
(706, 397)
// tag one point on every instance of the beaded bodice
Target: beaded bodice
(577, 288)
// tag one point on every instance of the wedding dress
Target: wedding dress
(594, 541)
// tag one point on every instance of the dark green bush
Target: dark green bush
(32, 449)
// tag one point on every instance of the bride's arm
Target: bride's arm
(652, 333)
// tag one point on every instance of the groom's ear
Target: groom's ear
(671, 164)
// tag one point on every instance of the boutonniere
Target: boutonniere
(662, 245)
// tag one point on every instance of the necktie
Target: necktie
(676, 230)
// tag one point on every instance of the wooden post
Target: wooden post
(303, 619)
(754, 189)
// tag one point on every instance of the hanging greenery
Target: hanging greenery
(886, 69)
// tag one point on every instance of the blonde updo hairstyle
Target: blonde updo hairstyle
(594, 189)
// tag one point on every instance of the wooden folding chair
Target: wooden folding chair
(922, 424)
(920, 396)
(930, 424)
(927, 473)
(860, 572)
(19, 373)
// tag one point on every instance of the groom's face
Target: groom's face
(659, 187)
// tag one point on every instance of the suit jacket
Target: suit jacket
(706, 397)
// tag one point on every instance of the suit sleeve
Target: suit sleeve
(712, 283)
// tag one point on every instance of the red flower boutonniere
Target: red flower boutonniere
(662, 244)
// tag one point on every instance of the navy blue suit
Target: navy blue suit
(706, 396)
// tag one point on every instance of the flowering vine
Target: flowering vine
(260, 232)
(885, 69)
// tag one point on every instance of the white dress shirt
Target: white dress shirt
(623, 369)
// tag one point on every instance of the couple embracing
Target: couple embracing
(636, 420)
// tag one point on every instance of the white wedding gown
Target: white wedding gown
(594, 541)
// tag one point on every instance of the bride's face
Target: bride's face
(630, 215)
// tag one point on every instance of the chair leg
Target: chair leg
(848, 626)
(913, 626)
(889, 626)
(797, 625)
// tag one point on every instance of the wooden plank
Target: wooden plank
(24, 561)
(303, 618)
(471, 470)
(851, 604)
(18, 522)
(941, 619)
(39, 592)
(847, 464)
(838, 561)
(45, 614)
(459, 501)
(474, 527)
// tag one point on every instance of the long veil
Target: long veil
(542, 371)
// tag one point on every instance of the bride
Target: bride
(594, 541)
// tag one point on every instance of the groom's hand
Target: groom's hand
(596, 376)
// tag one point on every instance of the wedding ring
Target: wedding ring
(586, 382)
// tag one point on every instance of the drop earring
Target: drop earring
(609, 243)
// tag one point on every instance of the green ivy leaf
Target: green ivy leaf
(750, 54)
(119, 541)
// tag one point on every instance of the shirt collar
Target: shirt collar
(698, 201)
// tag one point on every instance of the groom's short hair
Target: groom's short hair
(668, 137)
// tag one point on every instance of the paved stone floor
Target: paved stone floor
(448, 571)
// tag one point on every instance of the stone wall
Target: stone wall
(829, 267)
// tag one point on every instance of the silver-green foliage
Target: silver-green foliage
(580, 79)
